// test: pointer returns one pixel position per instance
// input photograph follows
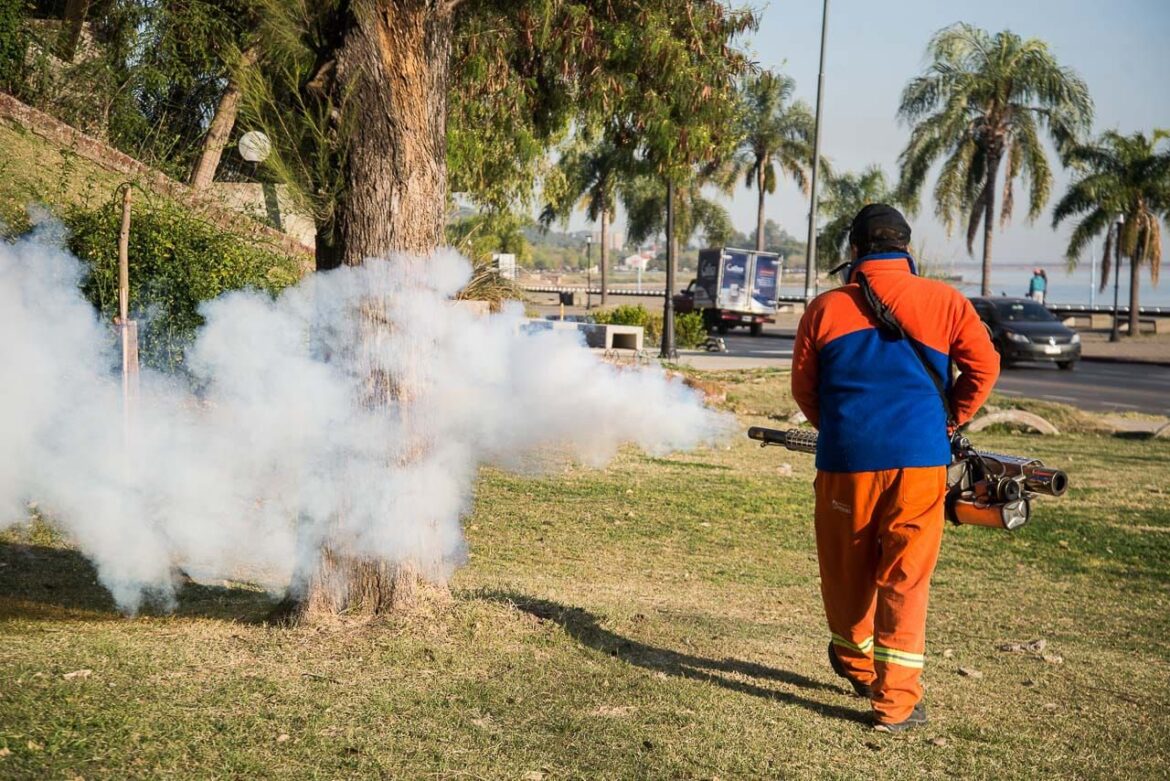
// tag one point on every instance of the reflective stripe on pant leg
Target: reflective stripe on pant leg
(911, 526)
(848, 558)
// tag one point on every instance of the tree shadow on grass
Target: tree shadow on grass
(41, 582)
(585, 628)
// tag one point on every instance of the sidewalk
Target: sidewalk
(1150, 348)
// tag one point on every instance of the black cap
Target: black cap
(879, 224)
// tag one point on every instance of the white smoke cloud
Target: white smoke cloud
(283, 445)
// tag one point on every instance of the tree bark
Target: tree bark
(392, 68)
(989, 222)
(760, 210)
(220, 130)
(71, 26)
(604, 254)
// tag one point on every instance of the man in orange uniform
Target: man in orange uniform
(882, 453)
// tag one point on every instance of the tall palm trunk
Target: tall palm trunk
(760, 209)
(392, 68)
(1134, 289)
(604, 254)
(989, 220)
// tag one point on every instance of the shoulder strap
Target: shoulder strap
(887, 322)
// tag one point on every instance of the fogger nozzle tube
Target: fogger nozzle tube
(984, 489)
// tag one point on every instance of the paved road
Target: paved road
(1093, 385)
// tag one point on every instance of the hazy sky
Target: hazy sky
(1118, 47)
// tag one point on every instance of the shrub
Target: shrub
(176, 261)
(13, 43)
(689, 331)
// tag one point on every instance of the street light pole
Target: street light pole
(810, 263)
(668, 352)
(1115, 334)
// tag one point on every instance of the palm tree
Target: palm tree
(644, 197)
(1126, 176)
(984, 101)
(844, 197)
(588, 174)
(776, 133)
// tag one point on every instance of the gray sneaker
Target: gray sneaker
(861, 689)
(916, 718)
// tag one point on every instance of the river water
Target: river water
(1064, 287)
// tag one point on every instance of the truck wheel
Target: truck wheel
(757, 329)
(721, 327)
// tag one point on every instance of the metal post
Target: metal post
(810, 264)
(668, 352)
(1092, 286)
(1115, 334)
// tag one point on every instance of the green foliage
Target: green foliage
(689, 331)
(177, 261)
(845, 195)
(13, 43)
(150, 81)
(644, 198)
(776, 239)
(777, 134)
(1127, 176)
(983, 101)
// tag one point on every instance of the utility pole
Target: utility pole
(810, 264)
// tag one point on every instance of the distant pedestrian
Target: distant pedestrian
(1038, 287)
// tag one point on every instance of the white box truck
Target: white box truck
(733, 288)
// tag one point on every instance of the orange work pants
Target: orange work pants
(878, 537)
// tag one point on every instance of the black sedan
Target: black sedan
(1023, 330)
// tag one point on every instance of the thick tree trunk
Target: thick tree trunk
(604, 255)
(393, 69)
(1134, 291)
(71, 26)
(760, 210)
(220, 130)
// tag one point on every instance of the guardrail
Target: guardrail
(659, 293)
(1107, 309)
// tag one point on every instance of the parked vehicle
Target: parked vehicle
(1023, 330)
(733, 287)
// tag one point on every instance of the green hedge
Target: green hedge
(689, 331)
(176, 261)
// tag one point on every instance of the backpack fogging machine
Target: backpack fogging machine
(983, 489)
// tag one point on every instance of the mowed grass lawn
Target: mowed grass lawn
(656, 619)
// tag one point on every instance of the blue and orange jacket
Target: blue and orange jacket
(868, 393)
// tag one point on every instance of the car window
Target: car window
(1022, 312)
(983, 309)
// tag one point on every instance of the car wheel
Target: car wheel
(1067, 366)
